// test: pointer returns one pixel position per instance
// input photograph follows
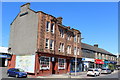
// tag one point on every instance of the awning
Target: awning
(106, 62)
(113, 62)
(99, 61)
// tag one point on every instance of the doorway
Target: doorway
(53, 67)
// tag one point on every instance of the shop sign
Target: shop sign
(112, 62)
(5, 56)
(99, 61)
(88, 59)
(106, 61)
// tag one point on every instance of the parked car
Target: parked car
(16, 72)
(118, 68)
(94, 72)
(99, 69)
(106, 70)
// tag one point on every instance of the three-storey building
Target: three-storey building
(41, 44)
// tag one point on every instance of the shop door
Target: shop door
(2, 60)
(53, 67)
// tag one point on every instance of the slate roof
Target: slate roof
(93, 48)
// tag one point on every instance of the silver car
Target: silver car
(106, 70)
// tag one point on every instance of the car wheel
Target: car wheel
(16, 75)
(99, 74)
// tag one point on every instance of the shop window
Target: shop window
(44, 62)
(61, 63)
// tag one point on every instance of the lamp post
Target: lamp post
(76, 56)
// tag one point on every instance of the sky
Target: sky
(97, 21)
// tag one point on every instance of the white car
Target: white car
(93, 72)
(99, 69)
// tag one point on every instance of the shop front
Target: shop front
(41, 64)
(99, 63)
(78, 67)
(87, 63)
(112, 65)
(4, 59)
(106, 63)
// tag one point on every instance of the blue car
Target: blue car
(16, 72)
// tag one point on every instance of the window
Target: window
(75, 51)
(68, 37)
(44, 62)
(78, 51)
(61, 63)
(51, 44)
(68, 49)
(75, 38)
(62, 33)
(61, 47)
(23, 14)
(48, 26)
(52, 27)
(47, 44)
(78, 39)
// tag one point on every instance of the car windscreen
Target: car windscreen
(19, 70)
(90, 70)
(103, 69)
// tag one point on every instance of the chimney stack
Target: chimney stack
(95, 45)
(24, 7)
(59, 20)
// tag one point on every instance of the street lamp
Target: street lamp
(76, 57)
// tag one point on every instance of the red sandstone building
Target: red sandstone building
(41, 44)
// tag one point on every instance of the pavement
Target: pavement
(82, 75)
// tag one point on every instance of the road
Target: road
(114, 74)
